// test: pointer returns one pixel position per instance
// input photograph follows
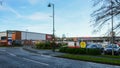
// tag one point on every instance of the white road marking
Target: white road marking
(45, 55)
(11, 54)
(36, 62)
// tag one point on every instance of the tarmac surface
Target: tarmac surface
(18, 57)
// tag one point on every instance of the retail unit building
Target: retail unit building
(24, 37)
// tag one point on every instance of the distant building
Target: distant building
(107, 39)
(95, 39)
(23, 37)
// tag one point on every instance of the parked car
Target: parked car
(95, 46)
(108, 49)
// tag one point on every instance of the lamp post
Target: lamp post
(53, 37)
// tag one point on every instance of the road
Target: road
(16, 57)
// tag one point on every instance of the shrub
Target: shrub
(63, 49)
(70, 50)
(39, 45)
(42, 45)
(93, 51)
(80, 51)
(73, 50)
(47, 45)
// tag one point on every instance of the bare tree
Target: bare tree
(103, 14)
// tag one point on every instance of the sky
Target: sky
(72, 17)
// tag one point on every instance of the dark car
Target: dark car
(95, 46)
(109, 47)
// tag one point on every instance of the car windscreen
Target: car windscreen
(91, 46)
(110, 46)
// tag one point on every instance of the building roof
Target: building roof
(23, 31)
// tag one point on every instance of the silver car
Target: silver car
(109, 47)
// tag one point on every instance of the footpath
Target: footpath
(42, 52)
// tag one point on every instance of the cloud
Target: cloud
(15, 12)
(6, 7)
(44, 28)
(33, 2)
(37, 16)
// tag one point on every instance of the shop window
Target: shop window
(3, 38)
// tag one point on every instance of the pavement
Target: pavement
(42, 52)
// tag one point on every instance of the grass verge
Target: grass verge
(98, 59)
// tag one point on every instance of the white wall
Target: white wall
(32, 36)
(2, 34)
(71, 43)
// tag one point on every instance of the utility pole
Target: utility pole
(108, 33)
(112, 32)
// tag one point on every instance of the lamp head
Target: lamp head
(49, 5)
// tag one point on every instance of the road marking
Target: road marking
(36, 62)
(45, 55)
(11, 54)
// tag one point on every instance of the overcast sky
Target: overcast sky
(72, 17)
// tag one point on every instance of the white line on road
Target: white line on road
(36, 62)
(46, 56)
(11, 54)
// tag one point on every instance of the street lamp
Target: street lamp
(53, 37)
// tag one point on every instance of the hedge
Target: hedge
(46, 45)
(93, 51)
(80, 51)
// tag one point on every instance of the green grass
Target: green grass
(98, 59)
(110, 56)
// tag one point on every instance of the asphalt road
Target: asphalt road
(18, 58)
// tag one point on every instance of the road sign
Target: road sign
(82, 44)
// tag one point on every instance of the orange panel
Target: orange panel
(16, 36)
(13, 36)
